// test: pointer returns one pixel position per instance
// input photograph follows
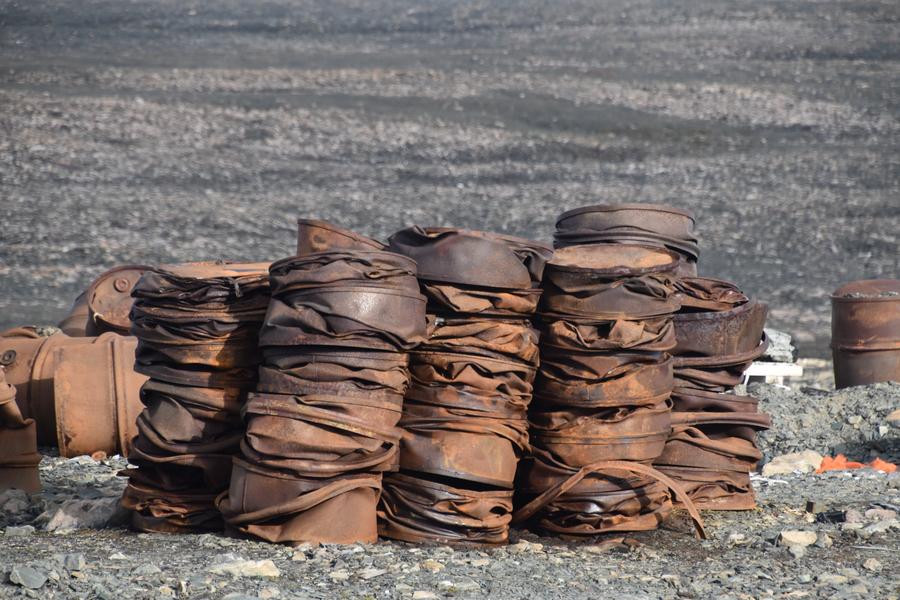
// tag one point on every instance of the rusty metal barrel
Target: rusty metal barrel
(865, 332)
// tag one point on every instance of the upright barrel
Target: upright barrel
(865, 332)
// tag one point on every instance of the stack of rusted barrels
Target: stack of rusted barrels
(321, 427)
(197, 327)
(601, 410)
(712, 449)
(465, 414)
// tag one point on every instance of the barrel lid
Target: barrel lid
(215, 269)
(868, 290)
(626, 206)
(613, 259)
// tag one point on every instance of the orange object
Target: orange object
(840, 463)
(883, 466)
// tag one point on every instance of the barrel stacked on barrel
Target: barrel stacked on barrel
(322, 424)
(464, 416)
(196, 326)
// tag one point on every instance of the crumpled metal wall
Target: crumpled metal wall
(465, 413)
(602, 408)
(197, 326)
(322, 423)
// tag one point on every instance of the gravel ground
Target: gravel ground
(852, 421)
(78, 547)
(172, 131)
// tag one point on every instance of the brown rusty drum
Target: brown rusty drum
(865, 332)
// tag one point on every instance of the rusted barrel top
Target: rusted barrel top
(865, 315)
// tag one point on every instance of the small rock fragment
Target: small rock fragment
(82, 514)
(28, 577)
(74, 562)
(424, 595)
(246, 568)
(797, 538)
(831, 579)
(803, 462)
(23, 531)
(872, 564)
(432, 565)
(371, 573)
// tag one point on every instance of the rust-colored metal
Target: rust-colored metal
(322, 426)
(369, 268)
(19, 457)
(713, 490)
(714, 441)
(716, 373)
(293, 370)
(197, 323)
(601, 497)
(351, 317)
(468, 443)
(96, 396)
(105, 305)
(353, 299)
(472, 258)
(694, 400)
(321, 236)
(197, 328)
(97, 388)
(717, 333)
(646, 335)
(469, 300)
(578, 437)
(609, 282)
(415, 509)
(637, 217)
(156, 510)
(493, 338)
(465, 417)
(646, 224)
(706, 293)
(284, 507)
(643, 385)
(319, 435)
(865, 332)
(445, 373)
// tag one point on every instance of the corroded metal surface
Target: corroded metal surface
(465, 413)
(647, 224)
(609, 282)
(19, 457)
(197, 328)
(82, 392)
(415, 509)
(720, 333)
(96, 396)
(322, 426)
(602, 405)
(352, 299)
(472, 258)
(865, 332)
(105, 305)
(320, 236)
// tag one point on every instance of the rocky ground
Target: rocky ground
(163, 130)
(167, 130)
(834, 535)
